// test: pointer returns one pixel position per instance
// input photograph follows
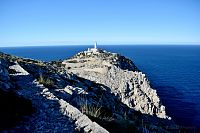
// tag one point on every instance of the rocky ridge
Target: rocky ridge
(121, 75)
(65, 100)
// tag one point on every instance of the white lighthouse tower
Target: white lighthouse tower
(95, 45)
(94, 49)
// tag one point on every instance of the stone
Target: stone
(121, 76)
(4, 76)
(105, 81)
(18, 69)
(81, 120)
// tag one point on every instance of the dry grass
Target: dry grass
(45, 81)
(91, 110)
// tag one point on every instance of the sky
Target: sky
(55, 22)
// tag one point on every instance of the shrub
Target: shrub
(104, 117)
(91, 110)
(45, 81)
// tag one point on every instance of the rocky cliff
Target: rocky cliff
(89, 92)
(121, 76)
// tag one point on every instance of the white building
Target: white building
(93, 49)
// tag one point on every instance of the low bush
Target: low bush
(45, 81)
(91, 110)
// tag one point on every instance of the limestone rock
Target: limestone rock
(82, 121)
(18, 69)
(121, 76)
(97, 80)
(4, 75)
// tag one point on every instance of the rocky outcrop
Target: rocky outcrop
(122, 76)
(93, 92)
(4, 75)
(51, 113)
(82, 121)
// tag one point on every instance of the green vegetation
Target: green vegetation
(56, 63)
(73, 61)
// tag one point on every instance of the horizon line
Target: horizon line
(102, 44)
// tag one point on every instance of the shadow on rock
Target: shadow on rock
(13, 109)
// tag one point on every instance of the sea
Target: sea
(173, 70)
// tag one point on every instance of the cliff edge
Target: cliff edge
(121, 75)
(93, 91)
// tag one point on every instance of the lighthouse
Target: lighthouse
(95, 45)
(94, 49)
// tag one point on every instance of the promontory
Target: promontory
(94, 91)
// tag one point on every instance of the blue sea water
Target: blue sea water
(174, 71)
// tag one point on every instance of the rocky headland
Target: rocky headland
(93, 91)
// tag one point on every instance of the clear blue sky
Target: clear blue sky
(48, 22)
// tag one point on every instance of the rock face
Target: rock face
(121, 75)
(4, 75)
(92, 92)
(52, 114)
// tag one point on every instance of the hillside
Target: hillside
(93, 91)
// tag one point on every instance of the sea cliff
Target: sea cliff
(93, 91)
(121, 75)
